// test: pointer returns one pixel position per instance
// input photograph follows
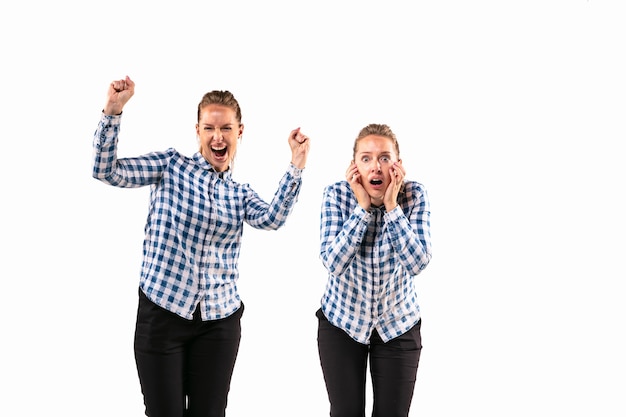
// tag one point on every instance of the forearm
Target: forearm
(410, 239)
(340, 242)
(274, 215)
(125, 172)
(105, 147)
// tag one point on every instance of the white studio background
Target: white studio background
(510, 112)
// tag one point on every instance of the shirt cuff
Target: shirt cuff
(110, 119)
(363, 214)
(111, 115)
(394, 214)
(295, 171)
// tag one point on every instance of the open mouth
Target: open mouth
(219, 152)
(376, 181)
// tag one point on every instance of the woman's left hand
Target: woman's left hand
(397, 174)
(299, 144)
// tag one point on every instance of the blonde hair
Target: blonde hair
(379, 130)
(223, 98)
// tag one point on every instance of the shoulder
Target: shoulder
(239, 188)
(339, 190)
(339, 193)
(339, 187)
(414, 187)
(169, 153)
(415, 192)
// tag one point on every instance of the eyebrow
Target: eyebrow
(224, 125)
(370, 153)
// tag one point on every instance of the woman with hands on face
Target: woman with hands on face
(380, 186)
(188, 319)
(375, 239)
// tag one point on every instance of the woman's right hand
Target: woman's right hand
(354, 179)
(120, 91)
(300, 145)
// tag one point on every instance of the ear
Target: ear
(240, 131)
(197, 129)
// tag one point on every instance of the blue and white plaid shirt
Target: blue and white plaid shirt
(195, 222)
(372, 258)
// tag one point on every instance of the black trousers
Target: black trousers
(393, 369)
(184, 366)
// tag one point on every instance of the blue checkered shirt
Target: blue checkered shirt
(195, 222)
(372, 258)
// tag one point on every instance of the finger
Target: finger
(119, 85)
(397, 170)
(294, 133)
(395, 175)
(398, 166)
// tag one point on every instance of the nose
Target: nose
(376, 166)
(217, 135)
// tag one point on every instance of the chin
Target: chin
(376, 196)
(217, 166)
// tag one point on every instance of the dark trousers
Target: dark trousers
(184, 366)
(393, 369)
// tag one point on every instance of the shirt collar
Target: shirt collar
(204, 164)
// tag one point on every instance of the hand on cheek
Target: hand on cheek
(354, 179)
(396, 173)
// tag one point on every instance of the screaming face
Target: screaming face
(218, 131)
